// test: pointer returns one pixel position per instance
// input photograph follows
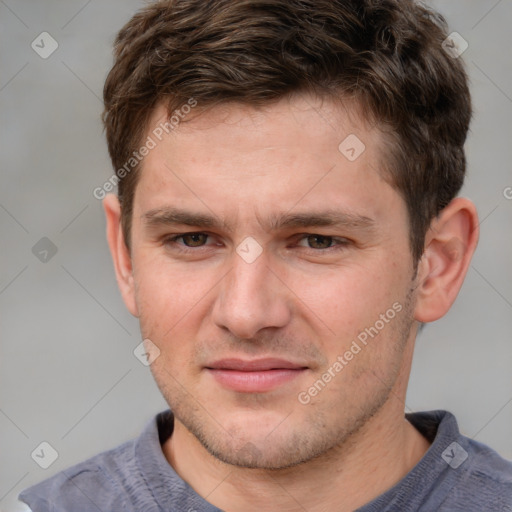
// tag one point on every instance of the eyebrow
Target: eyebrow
(170, 216)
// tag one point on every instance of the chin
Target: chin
(258, 455)
(262, 440)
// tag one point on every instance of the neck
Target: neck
(374, 459)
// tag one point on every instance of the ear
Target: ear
(449, 245)
(120, 253)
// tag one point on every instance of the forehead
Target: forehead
(291, 119)
(297, 151)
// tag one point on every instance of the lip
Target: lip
(255, 376)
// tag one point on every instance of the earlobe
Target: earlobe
(449, 246)
(120, 253)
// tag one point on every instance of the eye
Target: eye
(319, 241)
(322, 242)
(186, 241)
(193, 239)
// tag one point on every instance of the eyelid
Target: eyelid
(341, 240)
(175, 237)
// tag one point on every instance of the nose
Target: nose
(251, 297)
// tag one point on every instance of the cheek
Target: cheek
(169, 297)
(346, 300)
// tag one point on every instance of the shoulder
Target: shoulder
(477, 477)
(489, 463)
(458, 473)
(485, 477)
(96, 483)
(118, 479)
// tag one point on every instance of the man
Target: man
(286, 220)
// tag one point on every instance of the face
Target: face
(272, 270)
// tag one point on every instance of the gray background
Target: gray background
(68, 375)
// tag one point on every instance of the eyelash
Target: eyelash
(340, 243)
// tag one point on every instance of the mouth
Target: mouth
(255, 376)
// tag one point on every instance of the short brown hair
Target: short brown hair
(385, 54)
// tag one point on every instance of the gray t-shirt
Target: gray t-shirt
(456, 474)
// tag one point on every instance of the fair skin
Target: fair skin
(242, 438)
